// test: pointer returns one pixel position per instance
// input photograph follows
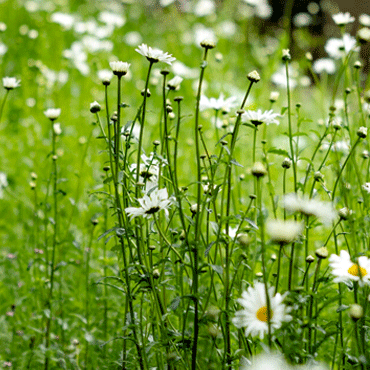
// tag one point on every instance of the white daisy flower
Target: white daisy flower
(119, 68)
(366, 187)
(155, 55)
(57, 129)
(284, 232)
(326, 65)
(270, 361)
(324, 211)
(105, 75)
(53, 113)
(364, 20)
(174, 83)
(337, 48)
(217, 104)
(10, 83)
(154, 202)
(257, 117)
(342, 19)
(254, 315)
(345, 270)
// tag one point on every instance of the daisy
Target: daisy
(11, 83)
(284, 232)
(257, 117)
(119, 68)
(217, 104)
(337, 48)
(326, 65)
(52, 113)
(366, 187)
(174, 83)
(364, 20)
(310, 207)
(155, 55)
(345, 270)
(254, 315)
(150, 204)
(342, 19)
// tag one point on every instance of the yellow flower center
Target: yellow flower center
(356, 270)
(262, 314)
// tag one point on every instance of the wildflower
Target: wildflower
(337, 48)
(204, 8)
(254, 315)
(364, 20)
(342, 19)
(257, 117)
(284, 232)
(253, 76)
(366, 187)
(310, 207)
(105, 75)
(3, 184)
(259, 170)
(286, 55)
(345, 270)
(326, 65)
(52, 113)
(10, 83)
(95, 107)
(362, 132)
(57, 129)
(208, 44)
(356, 312)
(322, 253)
(120, 68)
(155, 55)
(274, 96)
(363, 35)
(287, 163)
(174, 83)
(217, 104)
(261, 8)
(150, 204)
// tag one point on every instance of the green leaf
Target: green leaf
(278, 152)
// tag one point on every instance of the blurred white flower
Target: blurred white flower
(204, 7)
(11, 83)
(112, 19)
(64, 19)
(324, 65)
(337, 48)
(279, 77)
(133, 38)
(3, 49)
(53, 113)
(3, 183)
(302, 19)
(324, 211)
(345, 270)
(257, 117)
(184, 71)
(156, 201)
(217, 104)
(284, 232)
(78, 57)
(262, 8)
(105, 75)
(57, 129)
(254, 316)
(174, 83)
(155, 55)
(342, 19)
(94, 44)
(366, 186)
(364, 20)
(338, 146)
(165, 3)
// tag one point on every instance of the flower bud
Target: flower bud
(322, 253)
(259, 170)
(362, 132)
(253, 76)
(356, 312)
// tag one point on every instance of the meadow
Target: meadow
(183, 185)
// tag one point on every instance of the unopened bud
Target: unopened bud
(322, 253)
